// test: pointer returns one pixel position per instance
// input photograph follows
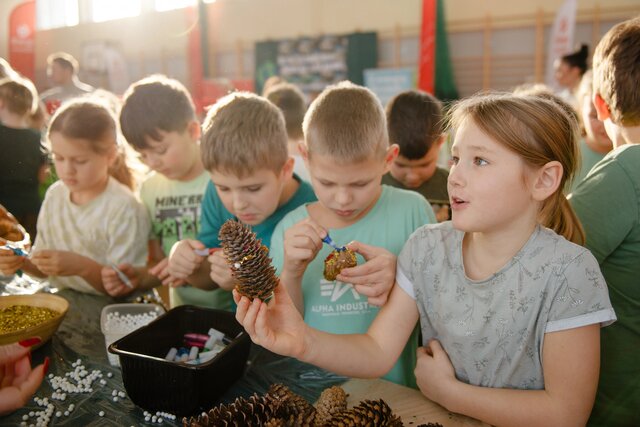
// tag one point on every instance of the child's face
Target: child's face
(594, 128)
(80, 168)
(347, 191)
(175, 155)
(413, 173)
(254, 198)
(487, 184)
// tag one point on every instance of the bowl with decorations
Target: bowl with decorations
(26, 316)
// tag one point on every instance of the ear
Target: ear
(287, 169)
(547, 180)
(602, 108)
(113, 155)
(390, 156)
(194, 130)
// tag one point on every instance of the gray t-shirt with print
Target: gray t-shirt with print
(493, 329)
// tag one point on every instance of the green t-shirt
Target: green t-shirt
(588, 159)
(607, 202)
(434, 190)
(336, 307)
(214, 214)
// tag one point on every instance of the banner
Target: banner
(22, 27)
(312, 63)
(387, 83)
(561, 38)
(435, 72)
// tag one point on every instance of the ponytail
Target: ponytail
(120, 170)
(558, 215)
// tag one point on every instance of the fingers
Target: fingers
(10, 353)
(159, 267)
(436, 348)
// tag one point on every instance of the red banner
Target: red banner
(22, 27)
(426, 62)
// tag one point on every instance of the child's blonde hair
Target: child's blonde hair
(244, 132)
(290, 100)
(539, 131)
(616, 72)
(93, 122)
(19, 95)
(346, 122)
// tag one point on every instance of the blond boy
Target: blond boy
(347, 152)
(244, 148)
(607, 203)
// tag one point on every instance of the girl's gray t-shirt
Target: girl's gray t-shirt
(493, 330)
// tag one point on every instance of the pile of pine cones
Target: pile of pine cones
(249, 261)
(280, 407)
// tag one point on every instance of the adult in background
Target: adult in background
(62, 69)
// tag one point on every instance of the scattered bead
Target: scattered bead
(101, 413)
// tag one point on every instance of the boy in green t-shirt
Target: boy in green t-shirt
(244, 148)
(415, 123)
(158, 120)
(607, 203)
(347, 152)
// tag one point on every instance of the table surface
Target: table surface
(79, 338)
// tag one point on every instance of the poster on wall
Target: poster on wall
(313, 63)
(22, 23)
(387, 83)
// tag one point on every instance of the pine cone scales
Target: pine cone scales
(373, 413)
(333, 400)
(249, 260)
(242, 412)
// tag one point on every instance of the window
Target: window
(106, 10)
(164, 5)
(56, 13)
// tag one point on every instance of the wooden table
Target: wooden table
(410, 404)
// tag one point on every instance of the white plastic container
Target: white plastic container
(118, 320)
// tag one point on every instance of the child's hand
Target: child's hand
(18, 380)
(57, 263)
(434, 372)
(10, 262)
(112, 283)
(183, 261)
(220, 271)
(161, 271)
(375, 278)
(302, 242)
(276, 326)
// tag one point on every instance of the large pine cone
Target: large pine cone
(292, 408)
(336, 261)
(373, 413)
(248, 257)
(332, 401)
(251, 412)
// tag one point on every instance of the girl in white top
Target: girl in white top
(489, 288)
(90, 217)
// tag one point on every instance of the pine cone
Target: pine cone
(248, 257)
(431, 425)
(292, 408)
(336, 261)
(254, 411)
(374, 413)
(331, 401)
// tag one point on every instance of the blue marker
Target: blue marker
(18, 252)
(330, 242)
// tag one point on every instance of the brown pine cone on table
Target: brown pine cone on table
(332, 401)
(249, 261)
(374, 413)
(292, 408)
(254, 411)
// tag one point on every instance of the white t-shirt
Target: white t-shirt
(493, 330)
(112, 228)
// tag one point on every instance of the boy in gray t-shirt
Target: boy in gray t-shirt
(493, 329)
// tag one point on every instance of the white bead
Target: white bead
(101, 413)
(58, 414)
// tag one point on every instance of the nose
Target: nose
(239, 202)
(343, 197)
(456, 176)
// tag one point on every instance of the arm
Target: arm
(570, 361)
(279, 327)
(66, 263)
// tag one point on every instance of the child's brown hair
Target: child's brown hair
(290, 100)
(18, 95)
(244, 132)
(153, 104)
(93, 122)
(346, 122)
(414, 119)
(539, 131)
(616, 72)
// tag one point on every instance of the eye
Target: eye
(454, 161)
(161, 151)
(222, 189)
(359, 184)
(326, 184)
(479, 161)
(254, 188)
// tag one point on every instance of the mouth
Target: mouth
(246, 217)
(457, 202)
(344, 213)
